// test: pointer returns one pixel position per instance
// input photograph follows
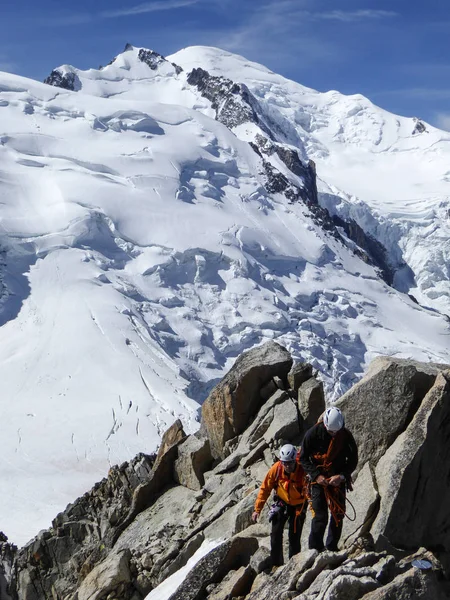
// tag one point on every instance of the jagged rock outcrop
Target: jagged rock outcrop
(233, 102)
(392, 391)
(373, 249)
(215, 566)
(419, 126)
(7, 557)
(154, 60)
(413, 477)
(299, 373)
(194, 458)
(160, 476)
(311, 400)
(67, 81)
(401, 503)
(228, 408)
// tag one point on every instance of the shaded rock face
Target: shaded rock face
(278, 183)
(228, 408)
(392, 392)
(419, 126)
(299, 373)
(311, 401)
(150, 58)
(233, 102)
(399, 414)
(214, 566)
(414, 477)
(173, 436)
(68, 81)
(194, 458)
(154, 60)
(401, 501)
(371, 246)
(7, 557)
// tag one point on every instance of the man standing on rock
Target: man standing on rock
(329, 456)
(288, 480)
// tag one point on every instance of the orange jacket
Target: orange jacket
(290, 487)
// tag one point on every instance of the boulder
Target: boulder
(311, 401)
(173, 436)
(237, 517)
(194, 458)
(347, 586)
(413, 478)
(261, 560)
(254, 455)
(162, 474)
(253, 436)
(235, 583)
(227, 410)
(268, 390)
(213, 567)
(183, 556)
(110, 575)
(254, 433)
(285, 578)
(284, 425)
(382, 404)
(299, 373)
(412, 585)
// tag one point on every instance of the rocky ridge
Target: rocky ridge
(150, 517)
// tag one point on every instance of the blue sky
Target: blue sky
(396, 52)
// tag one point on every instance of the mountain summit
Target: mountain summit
(161, 215)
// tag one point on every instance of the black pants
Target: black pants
(320, 520)
(276, 537)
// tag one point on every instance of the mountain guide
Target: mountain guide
(287, 478)
(329, 455)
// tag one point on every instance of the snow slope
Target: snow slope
(373, 165)
(142, 252)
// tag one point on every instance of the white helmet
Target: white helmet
(333, 419)
(288, 453)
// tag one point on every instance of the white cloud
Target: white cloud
(280, 33)
(139, 9)
(148, 7)
(277, 35)
(351, 16)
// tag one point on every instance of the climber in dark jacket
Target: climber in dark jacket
(329, 456)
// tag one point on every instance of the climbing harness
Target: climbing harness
(299, 482)
(334, 496)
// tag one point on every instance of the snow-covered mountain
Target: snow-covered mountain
(159, 216)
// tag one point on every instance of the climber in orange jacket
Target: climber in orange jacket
(287, 478)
